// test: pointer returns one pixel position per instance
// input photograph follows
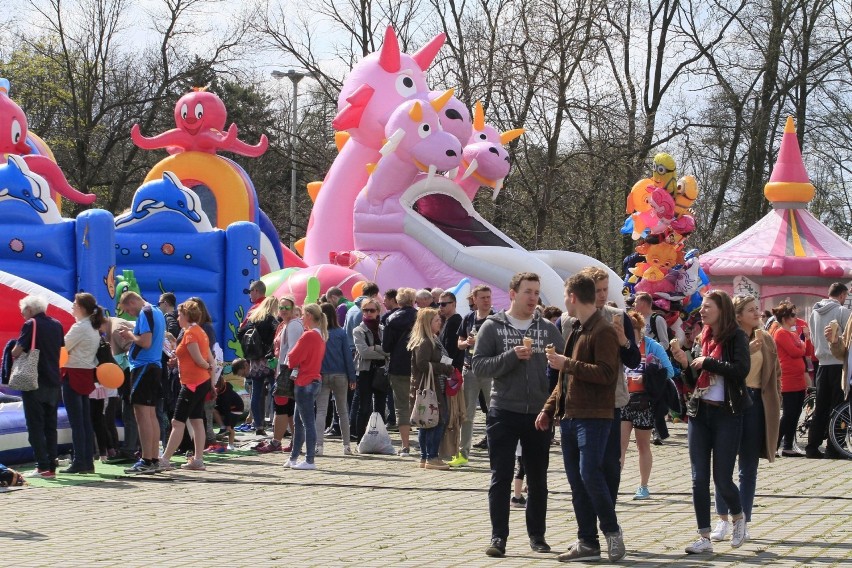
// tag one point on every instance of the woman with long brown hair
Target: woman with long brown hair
(760, 422)
(715, 411)
(78, 379)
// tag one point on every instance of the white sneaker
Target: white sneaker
(318, 451)
(701, 546)
(738, 533)
(290, 463)
(347, 451)
(304, 465)
(720, 533)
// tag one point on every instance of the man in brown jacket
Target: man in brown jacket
(583, 401)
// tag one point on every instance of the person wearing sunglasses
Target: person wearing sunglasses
(369, 360)
(287, 333)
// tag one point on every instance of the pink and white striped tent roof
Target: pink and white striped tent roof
(785, 243)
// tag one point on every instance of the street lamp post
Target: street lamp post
(295, 77)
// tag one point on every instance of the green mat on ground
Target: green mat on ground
(108, 472)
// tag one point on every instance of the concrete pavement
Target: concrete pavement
(385, 511)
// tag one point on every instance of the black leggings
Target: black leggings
(791, 409)
(370, 400)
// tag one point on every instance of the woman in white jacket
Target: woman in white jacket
(78, 379)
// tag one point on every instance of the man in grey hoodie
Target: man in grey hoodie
(829, 376)
(510, 347)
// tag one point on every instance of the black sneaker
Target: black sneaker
(497, 548)
(538, 544)
(814, 454)
(518, 502)
(482, 444)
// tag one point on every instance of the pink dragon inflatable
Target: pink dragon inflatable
(200, 118)
(374, 88)
(410, 171)
(14, 140)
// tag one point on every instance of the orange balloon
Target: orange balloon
(110, 375)
(358, 289)
(63, 356)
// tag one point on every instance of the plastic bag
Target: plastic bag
(376, 439)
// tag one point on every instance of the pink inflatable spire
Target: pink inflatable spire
(789, 182)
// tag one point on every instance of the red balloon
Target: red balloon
(110, 375)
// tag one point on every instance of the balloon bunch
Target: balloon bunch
(660, 219)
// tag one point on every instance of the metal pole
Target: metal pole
(295, 78)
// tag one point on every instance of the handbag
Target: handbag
(284, 384)
(104, 352)
(426, 413)
(24, 375)
(380, 380)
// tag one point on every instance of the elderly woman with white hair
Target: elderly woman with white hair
(44, 333)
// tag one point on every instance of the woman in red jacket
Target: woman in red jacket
(305, 359)
(794, 345)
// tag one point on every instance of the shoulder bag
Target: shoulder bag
(425, 413)
(24, 376)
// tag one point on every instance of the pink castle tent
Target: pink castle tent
(788, 253)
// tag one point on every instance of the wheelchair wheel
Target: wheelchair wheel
(804, 423)
(839, 431)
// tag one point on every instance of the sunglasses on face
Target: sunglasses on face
(369, 310)
(285, 308)
(444, 304)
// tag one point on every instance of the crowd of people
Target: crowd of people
(592, 371)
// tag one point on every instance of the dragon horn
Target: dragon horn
(389, 55)
(478, 116)
(510, 135)
(441, 101)
(416, 112)
(426, 54)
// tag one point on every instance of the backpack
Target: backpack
(252, 344)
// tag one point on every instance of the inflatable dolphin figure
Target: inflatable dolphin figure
(167, 194)
(18, 182)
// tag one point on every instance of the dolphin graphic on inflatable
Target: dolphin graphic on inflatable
(18, 182)
(167, 194)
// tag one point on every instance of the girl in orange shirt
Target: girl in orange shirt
(195, 365)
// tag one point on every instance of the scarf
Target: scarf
(373, 326)
(709, 348)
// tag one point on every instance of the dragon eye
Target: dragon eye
(183, 111)
(16, 131)
(483, 136)
(405, 86)
(424, 130)
(199, 111)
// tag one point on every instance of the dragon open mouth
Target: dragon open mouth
(452, 219)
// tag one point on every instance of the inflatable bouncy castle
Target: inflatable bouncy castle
(410, 162)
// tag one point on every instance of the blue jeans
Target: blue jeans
(752, 440)
(430, 441)
(40, 407)
(306, 421)
(257, 402)
(82, 433)
(504, 429)
(715, 432)
(584, 442)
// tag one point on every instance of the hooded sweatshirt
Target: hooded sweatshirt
(824, 311)
(519, 386)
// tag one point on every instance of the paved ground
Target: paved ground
(384, 511)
